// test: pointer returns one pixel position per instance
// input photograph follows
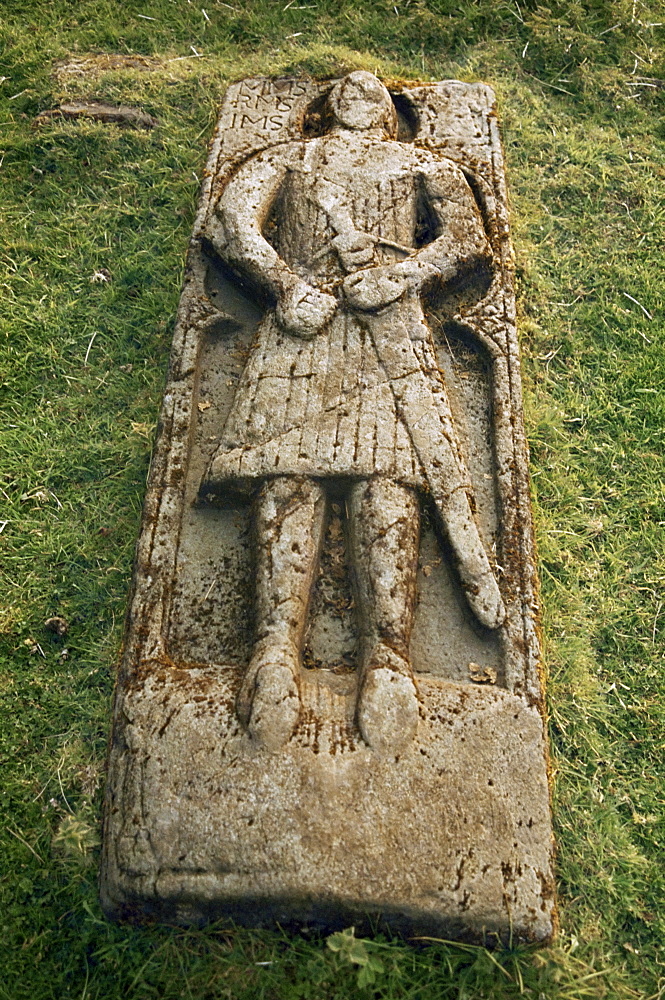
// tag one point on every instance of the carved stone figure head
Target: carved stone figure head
(360, 102)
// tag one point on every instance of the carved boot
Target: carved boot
(268, 702)
(387, 712)
(289, 521)
(384, 535)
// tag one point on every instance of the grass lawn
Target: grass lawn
(96, 221)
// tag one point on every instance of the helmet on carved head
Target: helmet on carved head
(360, 102)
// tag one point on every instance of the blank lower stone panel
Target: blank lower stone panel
(451, 837)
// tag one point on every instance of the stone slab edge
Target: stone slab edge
(147, 621)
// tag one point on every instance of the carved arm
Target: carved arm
(460, 245)
(236, 234)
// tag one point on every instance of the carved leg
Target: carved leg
(384, 523)
(288, 522)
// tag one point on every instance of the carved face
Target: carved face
(361, 102)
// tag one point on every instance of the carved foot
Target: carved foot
(387, 711)
(268, 702)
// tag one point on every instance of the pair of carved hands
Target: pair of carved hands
(303, 311)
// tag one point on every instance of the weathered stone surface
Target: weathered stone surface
(329, 703)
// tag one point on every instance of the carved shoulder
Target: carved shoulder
(251, 190)
(236, 226)
(448, 193)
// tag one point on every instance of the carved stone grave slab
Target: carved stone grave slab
(329, 702)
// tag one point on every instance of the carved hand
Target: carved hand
(373, 288)
(355, 249)
(377, 287)
(303, 311)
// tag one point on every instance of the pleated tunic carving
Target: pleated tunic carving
(326, 406)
